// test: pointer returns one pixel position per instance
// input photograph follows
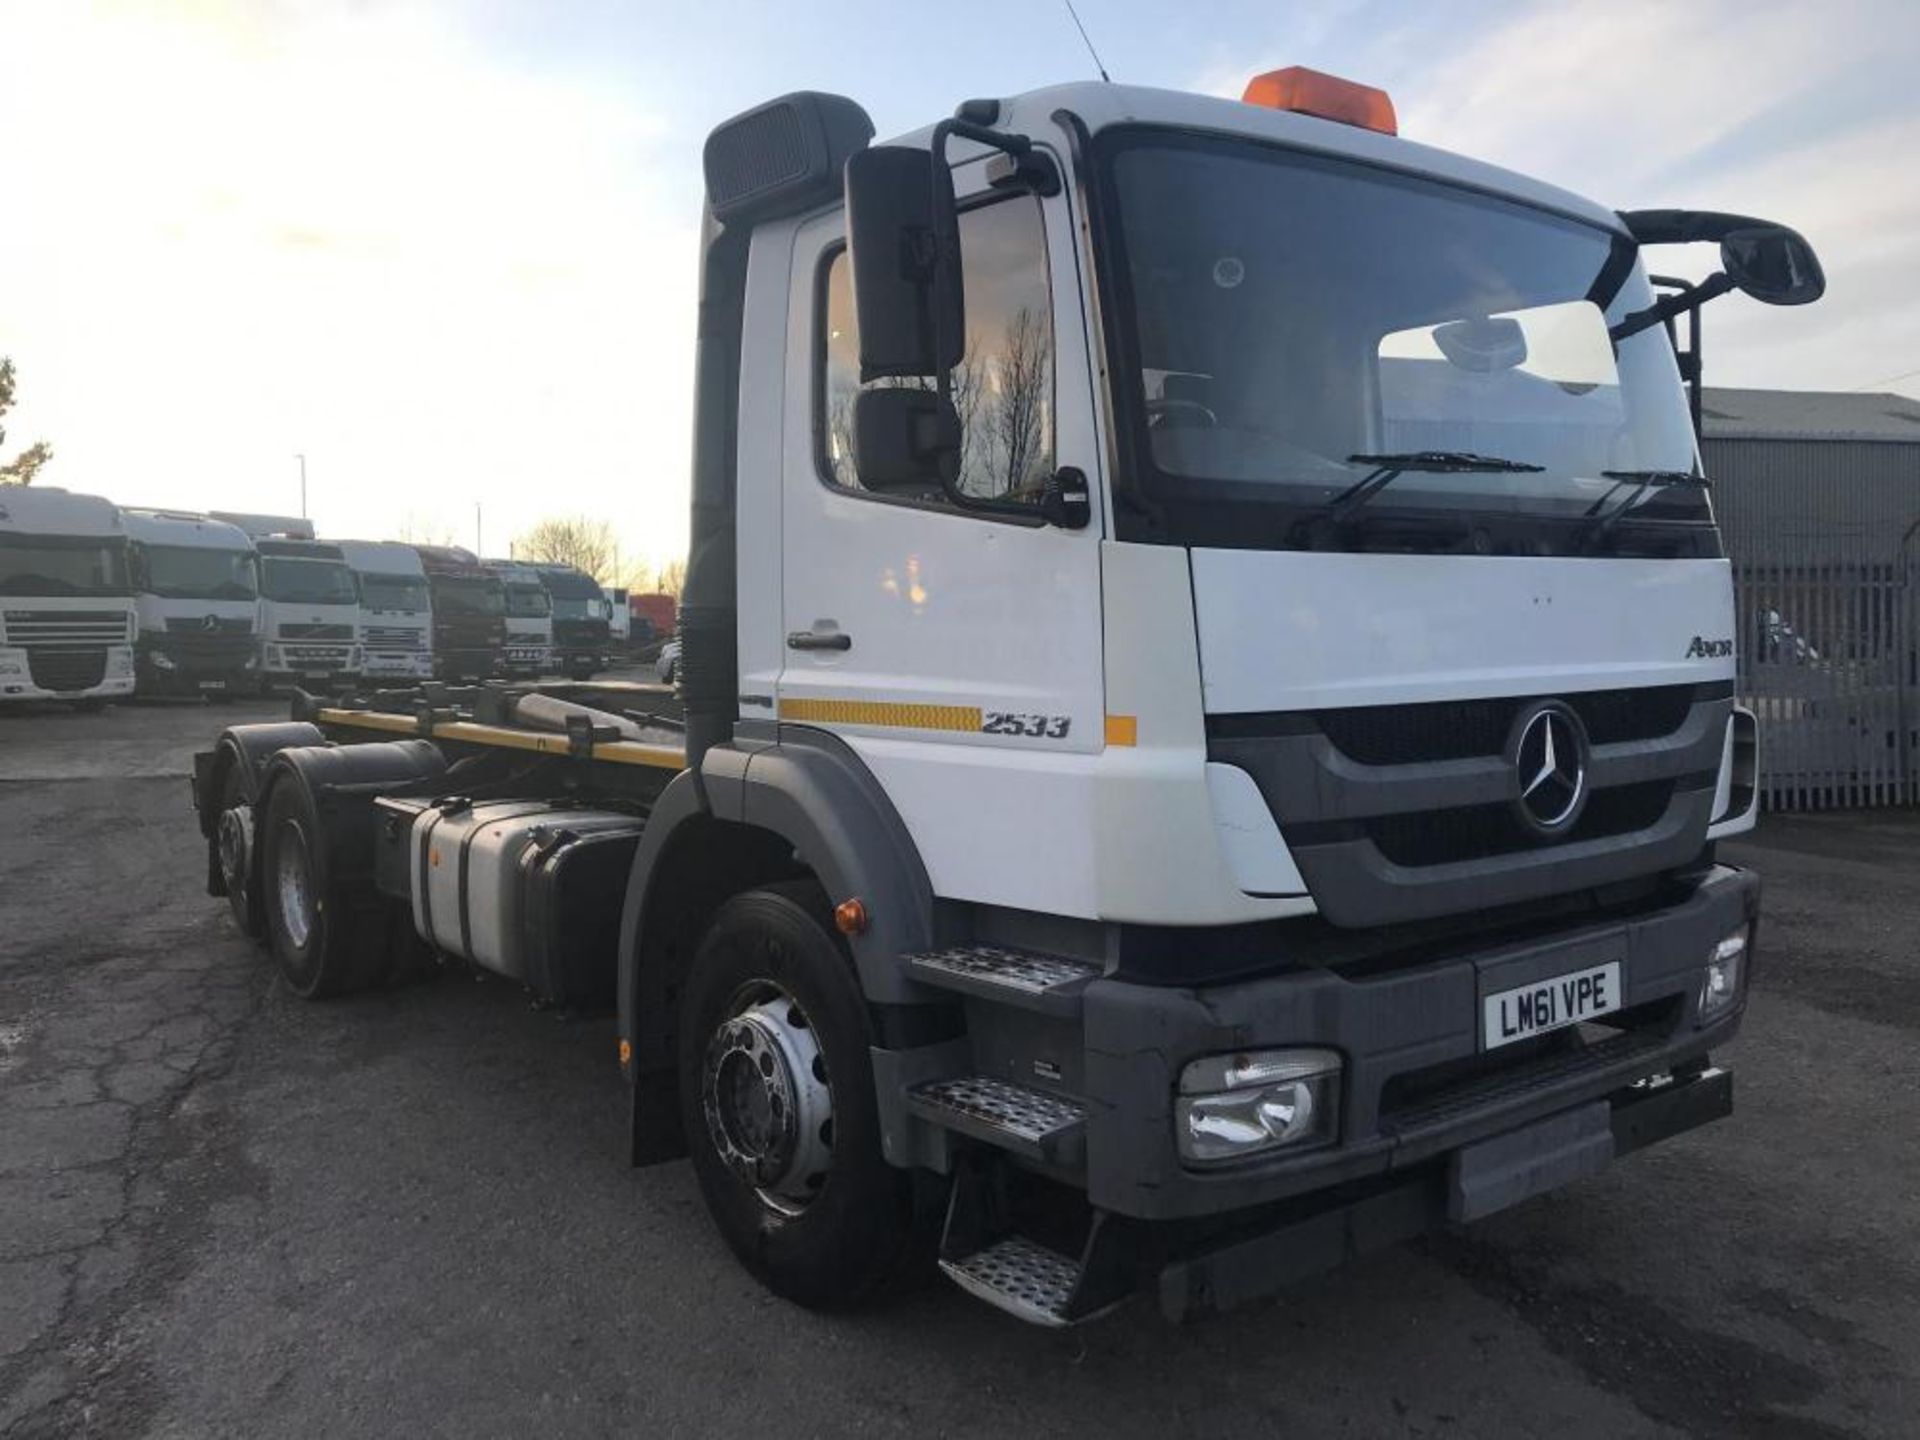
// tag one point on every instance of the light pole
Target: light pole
(479, 548)
(303, 485)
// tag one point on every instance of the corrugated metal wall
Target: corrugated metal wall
(1824, 538)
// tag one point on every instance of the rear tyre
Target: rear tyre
(777, 1105)
(327, 941)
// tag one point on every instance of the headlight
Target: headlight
(1234, 1107)
(252, 662)
(161, 660)
(1726, 974)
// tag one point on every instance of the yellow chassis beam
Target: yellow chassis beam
(615, 752)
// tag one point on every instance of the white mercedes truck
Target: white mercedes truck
(529, 647)
(196, 582)
(309, 614)
(396, 611)
(1208, 711)
(66, 601)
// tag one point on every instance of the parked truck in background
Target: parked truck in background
(469, 613)
(67, 617)
(582, 646)
(529, 646)
(619, 621)
(1208, 678)
(396, 610)
(309, 614)
(653, 618)
(196, 581)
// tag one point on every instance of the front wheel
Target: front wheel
(777, 1104)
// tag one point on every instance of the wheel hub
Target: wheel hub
(236, 847)
(769, 1108)
(295, 887)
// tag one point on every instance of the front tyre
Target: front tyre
(777, 1104)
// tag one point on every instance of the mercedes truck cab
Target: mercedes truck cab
(396, 610)
(529, 648)
(469, 613)
(309, 614)
(1208, 676)
(66, 601)
(197, 586)
(581, 647)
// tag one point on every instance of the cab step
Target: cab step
(1049, 984)
(1020, 1276)
(1034, 1124)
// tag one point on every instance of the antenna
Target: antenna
(1088, 39)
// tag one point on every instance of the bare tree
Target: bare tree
(1017, 438)
(23, 467)
(672, 578)
(577, 540)
(417, 529)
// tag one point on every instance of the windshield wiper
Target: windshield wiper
(1597, 529)
(1388, 468)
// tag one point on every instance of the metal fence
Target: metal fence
(1825, 543)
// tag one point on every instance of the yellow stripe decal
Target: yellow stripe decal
(1123, 730)
(616, 752)
(884, 712)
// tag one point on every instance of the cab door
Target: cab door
(936, 639)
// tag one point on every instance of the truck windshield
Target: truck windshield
(528, 602)
(307, 582)
(393, 592)
(462, 595)
(62, 565)
(193, 572)
(1287, 319)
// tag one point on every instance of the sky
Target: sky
(446, 249)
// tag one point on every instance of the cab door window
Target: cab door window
(1003, 388)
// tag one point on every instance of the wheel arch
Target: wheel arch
(805, 807)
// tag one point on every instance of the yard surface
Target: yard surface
(227, 1212)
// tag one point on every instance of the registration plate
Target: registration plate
(316, 675)
(1549, 1004)
(213, 684)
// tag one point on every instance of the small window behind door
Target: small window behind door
(1003, 387)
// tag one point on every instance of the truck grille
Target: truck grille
(65, 628)
(222, 625)
(67, 669)
(301, 657)
(316, 632)
(1460, 729)
(394, 637)
(1399, 813)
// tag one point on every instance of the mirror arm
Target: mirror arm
(1669, 307)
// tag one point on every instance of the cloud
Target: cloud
(239, 232)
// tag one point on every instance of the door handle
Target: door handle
(818, 640)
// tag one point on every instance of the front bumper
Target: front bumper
(398, 664)
(1415, 1086)
(1265, 1252)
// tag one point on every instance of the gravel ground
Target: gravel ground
(225, 1212)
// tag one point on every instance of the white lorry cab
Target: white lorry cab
(619, 619)
(1207, 666)
(529, 646)
(309, 614)
(396, 610)
(66, 600)
(196, 582)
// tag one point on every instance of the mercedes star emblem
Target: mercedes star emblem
(1549, 754)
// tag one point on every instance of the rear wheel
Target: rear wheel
(327, 941)
(234, 847)
(777, 1104)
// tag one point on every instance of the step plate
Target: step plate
(1019, 977)
(1020, 1277)
(1028, 1122)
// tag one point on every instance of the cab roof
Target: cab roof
(1103, 107)
(183, 528)
(47, 510)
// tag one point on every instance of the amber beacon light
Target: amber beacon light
(1309, 92)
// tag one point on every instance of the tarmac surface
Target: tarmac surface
(227, 1212)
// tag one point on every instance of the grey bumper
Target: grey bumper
(1401, 1035)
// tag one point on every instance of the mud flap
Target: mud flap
(1492, 1174)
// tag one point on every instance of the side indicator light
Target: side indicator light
(626, 1052)
(1123, 730)
(850, 916)
(1310, 92)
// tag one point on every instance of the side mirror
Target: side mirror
(1483, 345)
(903, 243)
(905, 439)
(1773, 264)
